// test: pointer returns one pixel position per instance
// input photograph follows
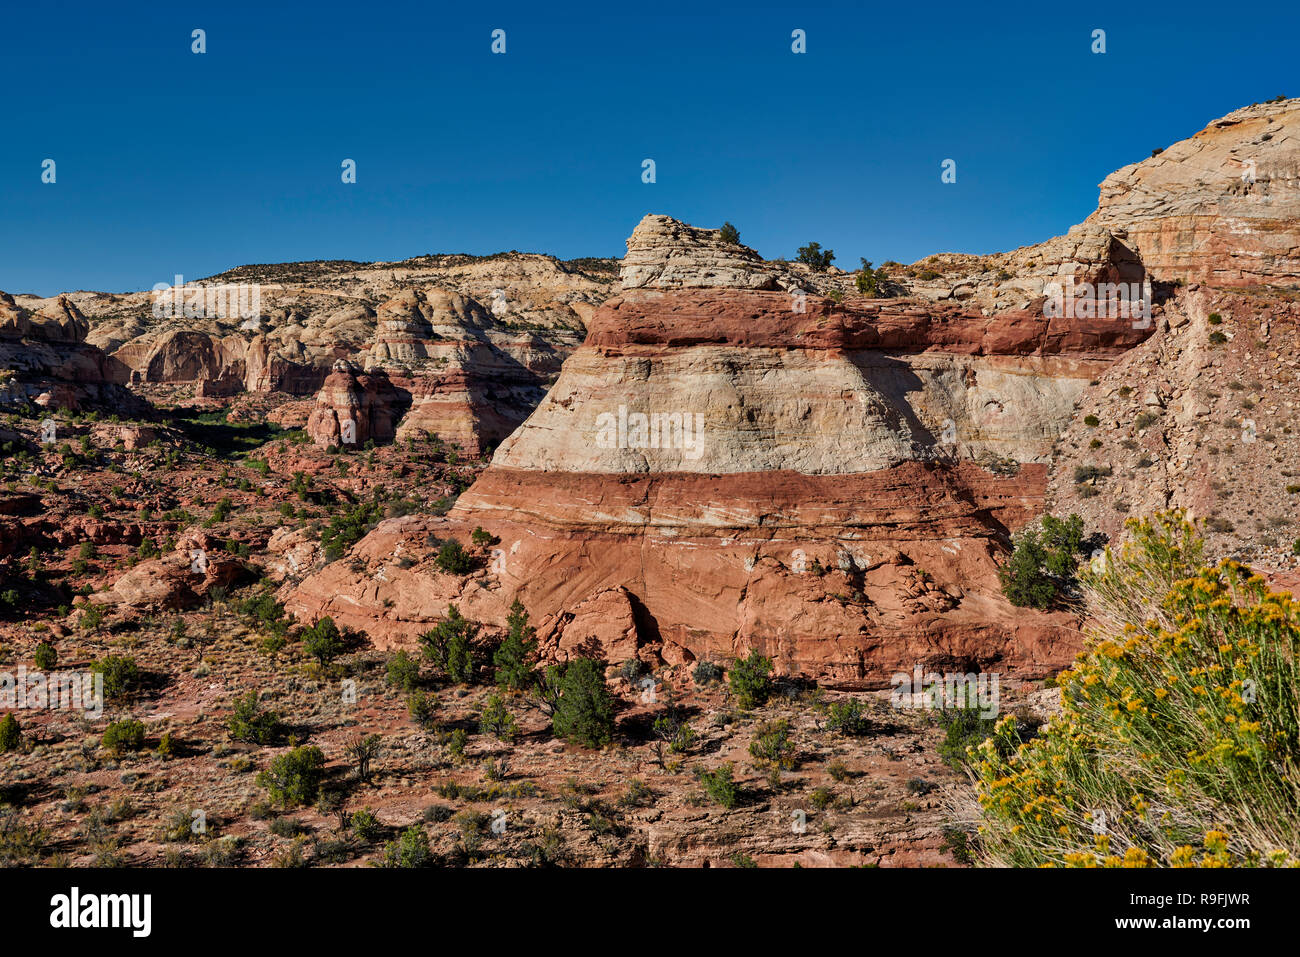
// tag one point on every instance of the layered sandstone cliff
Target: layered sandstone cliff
(219, 337)
(719, 469)
(733, 461)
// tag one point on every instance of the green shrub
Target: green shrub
(121, 675)
(1041, 571)
(11, 733)
(584, 709)
(122, 736)
(403, 672)
(423, 708)
(454, 559)
(720, 786)
(751, 681)
(729, 234)
(449, 646)
(515, 657)
(294, 779)
(251, 725)
(813, 255)
(46, 657)
(323, 640)
(772, 747)
(411, 849)
(870, 282)
(167, 746)
(92, 615)
(347, 529)
(964, 726)
(497, 720)
(365, 825)
(848, 717)
(672, 729)
(263, 609)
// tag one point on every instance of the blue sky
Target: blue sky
(170, 162)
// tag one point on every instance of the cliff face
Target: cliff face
(833, 487)
(747, 455)
(723, 468)
(471, 342)
(1222, 207)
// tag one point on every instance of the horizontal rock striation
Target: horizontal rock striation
(1222, 207)
(834, 486)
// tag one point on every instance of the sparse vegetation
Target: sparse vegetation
(751, 681)
(815, 257)
(583, 706)
(294, 778)
(1041, 571)
(1172, 749)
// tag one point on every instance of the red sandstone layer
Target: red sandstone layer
(678, 319)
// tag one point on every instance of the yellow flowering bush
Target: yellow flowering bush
(1179, 739)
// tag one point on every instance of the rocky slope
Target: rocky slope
(1200, 417)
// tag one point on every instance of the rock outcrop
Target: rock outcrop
(309, 314)
(1222, 207)
(353, 409)
(46, 363)
(471, 380)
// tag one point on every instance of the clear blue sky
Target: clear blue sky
(169, 162)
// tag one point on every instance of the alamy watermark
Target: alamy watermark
(177, 300)
(56, 691)
(655, 430)
(1104, 300)
(930, 690)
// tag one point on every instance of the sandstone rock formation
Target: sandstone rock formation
(220, 365)
(471, 379)
(666, 254)
(732, 461)
(173, 582)
(310, 314)
(353, 409)
(1222, 207)
(832, 484)
(45, 362)
(463, 375)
